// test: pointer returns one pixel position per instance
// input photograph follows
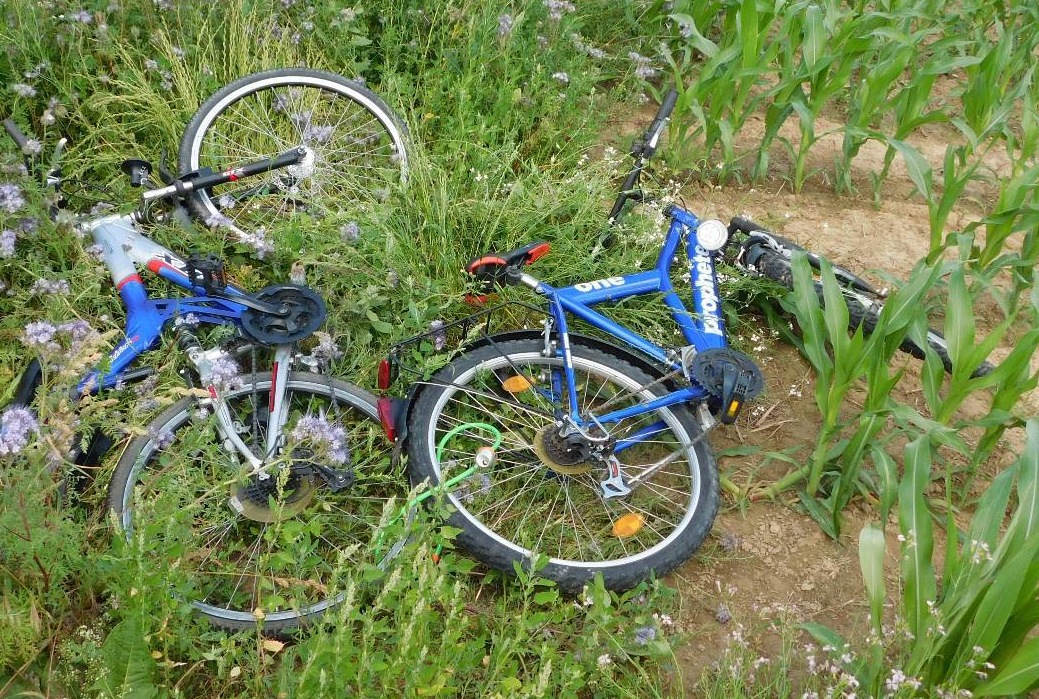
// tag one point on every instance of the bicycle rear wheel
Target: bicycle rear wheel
(542, 497)
(356, 148)
(864, 308)
(260, 551)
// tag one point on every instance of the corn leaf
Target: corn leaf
(1018, 675)
(1026, 518)
(959, 321)
(871, 562)
(814, 45)
(916, 166)
(995, 608)
(914, 520)
(887, 475)
(809, 316)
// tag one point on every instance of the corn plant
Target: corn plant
(723, 92)
(840, 361)
(970, 622)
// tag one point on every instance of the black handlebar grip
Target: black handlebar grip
(16, 134)
(737, 223)
(668, 105)
(653, 134)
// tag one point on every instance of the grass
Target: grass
(506, 105)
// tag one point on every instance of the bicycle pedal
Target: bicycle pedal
(207, 271)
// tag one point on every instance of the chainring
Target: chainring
(708, 370)
(303, 312)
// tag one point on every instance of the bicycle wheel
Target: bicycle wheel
(542, 497)
(863, 308)
(268, 551)
(355, 147)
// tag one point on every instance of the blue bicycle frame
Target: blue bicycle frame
(124, 250)
(703, 329)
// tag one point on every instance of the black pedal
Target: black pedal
(730, 377)
(207, 271)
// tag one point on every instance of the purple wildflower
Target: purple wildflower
(7, 238)
(81, 16)
(162, 439)
(643, 66)
(16, 424)
(328, 438)
(47, 287)
(226, 201)
(151, 65)
(505, 23)
(439, 335)
(77, 330)
(32, 146)
(11, 198)
(37, 70)
(722, 615)
(350, 231)
(23, 90)
(318, 134)
(39, 336)
(224, 374)
(645, 634)
(557, 8)
(326, 350)
(561, 77)
(259, 241)
(29, 224)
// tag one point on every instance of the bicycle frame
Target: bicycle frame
(124, 251)
(702, 329)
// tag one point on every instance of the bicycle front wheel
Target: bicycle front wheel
(269, 551)
(355, 147)
(863, 308)
(543, 496)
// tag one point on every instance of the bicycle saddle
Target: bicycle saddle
(491, 269)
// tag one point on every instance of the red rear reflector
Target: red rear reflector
(384, 407)
(385, 374)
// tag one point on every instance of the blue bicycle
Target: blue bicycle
(590, 453)
(587, 452)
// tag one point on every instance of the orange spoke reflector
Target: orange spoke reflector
(517, 384)
(628, 525)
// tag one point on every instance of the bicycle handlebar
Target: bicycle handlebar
(16, 134)
(182, 187)
(641, 151)
(737, 223)
(653, 133)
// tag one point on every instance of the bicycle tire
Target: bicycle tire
(523, 508)
(311, 534)
(359, 147)
(863, 309)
